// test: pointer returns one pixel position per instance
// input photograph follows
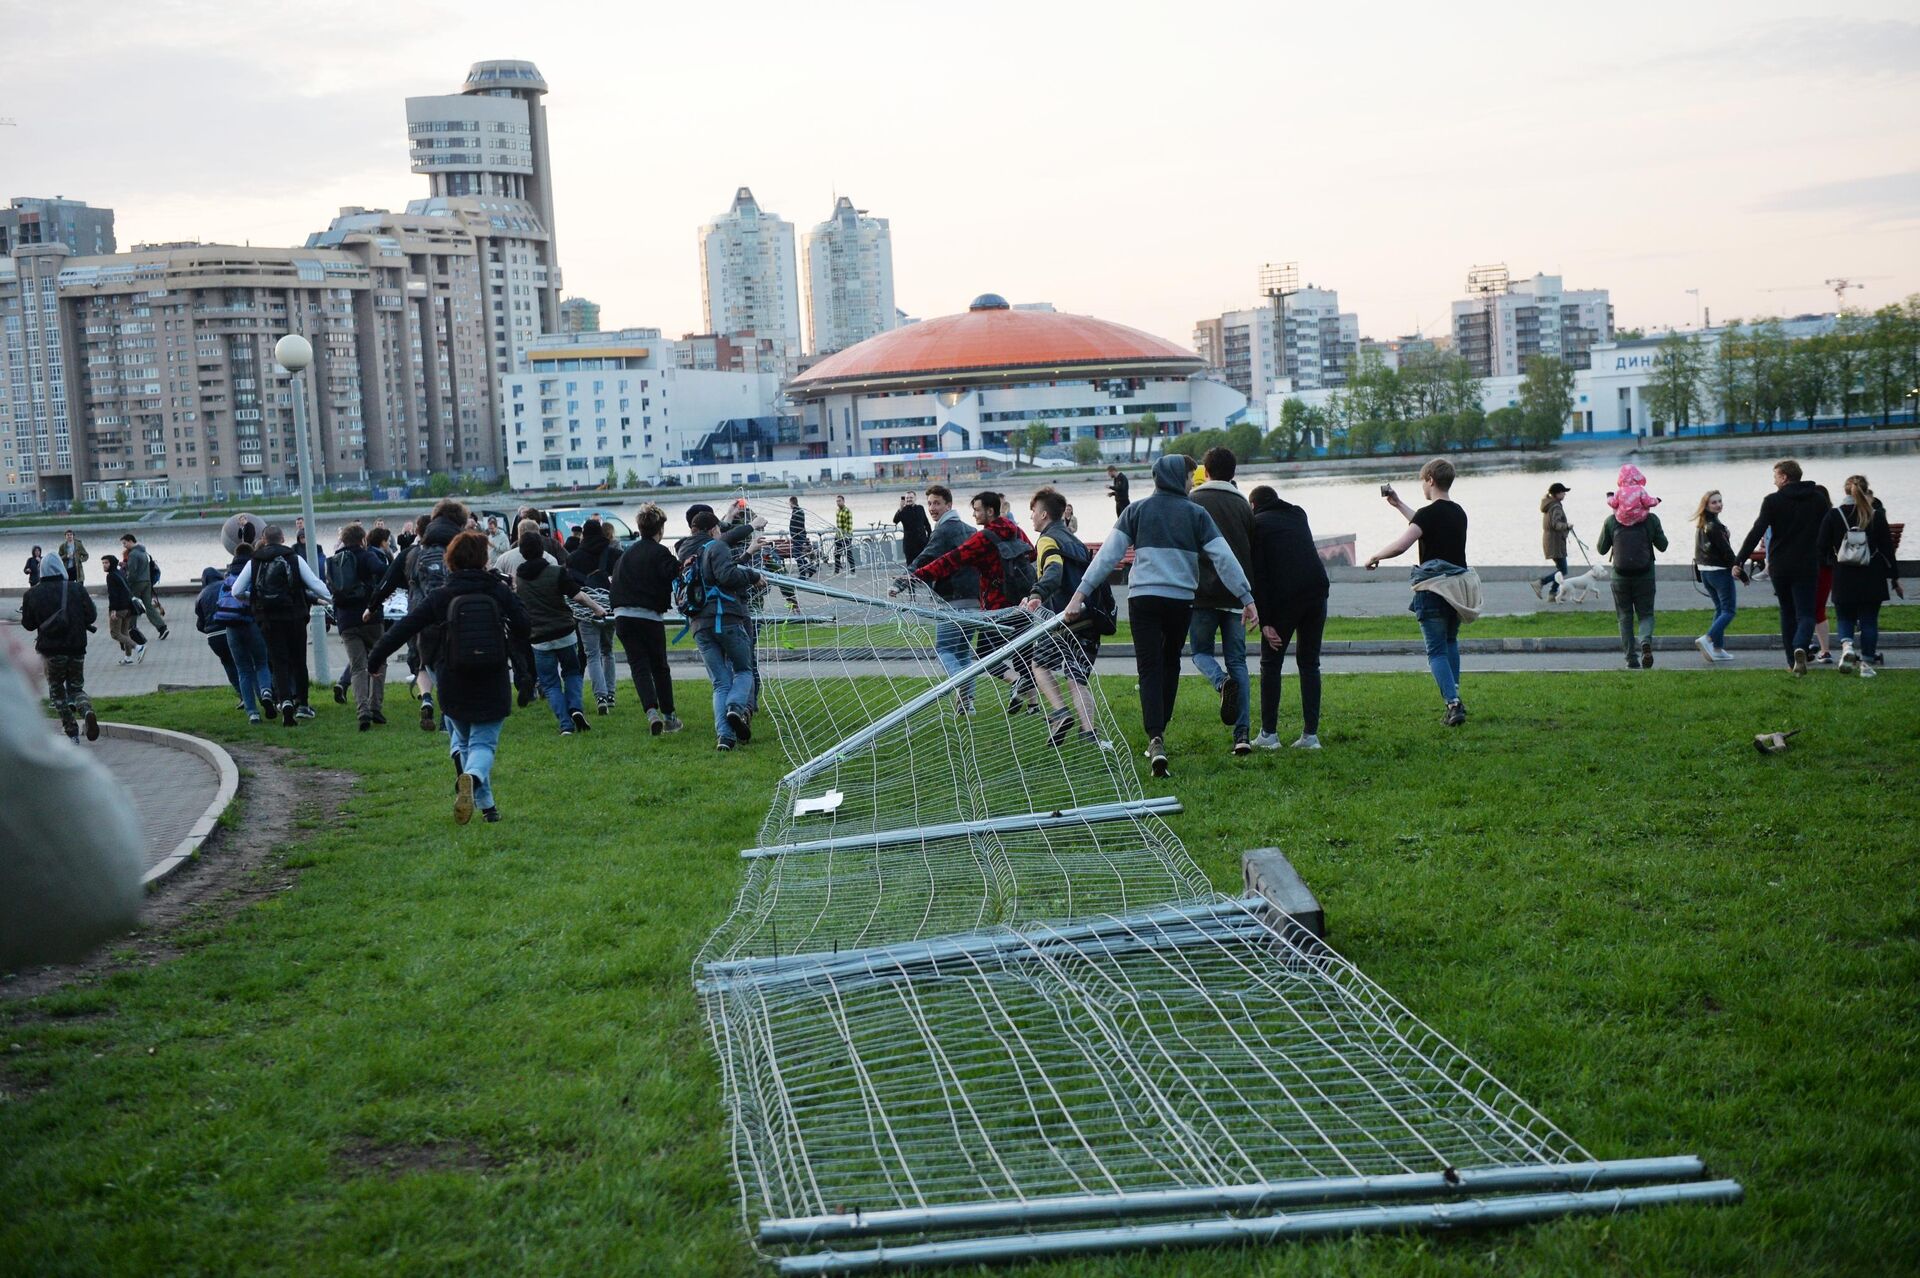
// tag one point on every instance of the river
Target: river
(1502, 500)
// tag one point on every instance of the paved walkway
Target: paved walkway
(170, 787)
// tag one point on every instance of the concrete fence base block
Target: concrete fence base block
(1269, 874)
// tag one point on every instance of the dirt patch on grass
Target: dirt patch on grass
(241, 862)
(393, 1159)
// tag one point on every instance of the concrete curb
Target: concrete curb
(222, 764)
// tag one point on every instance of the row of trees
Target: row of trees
(1869, 365)
(1431, 403)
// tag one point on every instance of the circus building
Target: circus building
(966, 387)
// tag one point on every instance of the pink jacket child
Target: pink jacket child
(1630, 499)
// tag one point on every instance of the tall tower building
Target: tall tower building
(484, 151)
(74, 223)
(848, 268)
(747, 277)
(578, 315)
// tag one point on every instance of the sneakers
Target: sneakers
(963, 706)
(566, 730)
(1848, 657)
(1059, 725)
(1646, 653)
(656, 722)
(339, 695)
(380, 720)
(1310, 741)
(674, 724)
(1539, 591)
(165, 631)
(1824, 659)
(1092, 738)
(1456, 714)
(93, 726)
(463, 799)
(126, 661)
(1268, 741)
(724, 743)
(1799, 661)
(252, 717)
(1866, 672)
(1705, 645)
(366, 724)
(606, 706)
(139, 652)
(1157, 756)
(1241, 746)
(426, 714)
(1633, 659)
(1229, 702)
(490, 815)
(1721, 654)
(286, 713)
(580, 723)
(742, 726)
(304, 712)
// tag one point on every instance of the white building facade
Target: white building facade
(748, 281)
(1498, 332)
(1254, 352)
(848, 268)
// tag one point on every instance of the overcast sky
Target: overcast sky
(1133, 161)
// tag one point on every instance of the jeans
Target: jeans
(1440, 627)
(474, 745)
(1633, 597)
(66, 688)
(1559, 567)
(217, 641)
(559, 672)
(249, 651)
(287, 657)
(1719, 586)
(645, 643)
(596, 642)
(1233, 638)
(1863, 621)
(1159, 633)
(951, 646)
(1305, 620)
(1795, 591)
(729, 657)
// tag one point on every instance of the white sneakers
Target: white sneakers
(1307, 741)
(1271, 741)
(1705, 645)
(1851, 660)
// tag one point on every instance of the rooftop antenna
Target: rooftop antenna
(1278, 282)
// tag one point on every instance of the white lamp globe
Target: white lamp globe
(293, 352)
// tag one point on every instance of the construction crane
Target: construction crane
(8, 122)
(1839, 284)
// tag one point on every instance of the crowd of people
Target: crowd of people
(486, 615)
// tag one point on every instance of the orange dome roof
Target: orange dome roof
(991, 338)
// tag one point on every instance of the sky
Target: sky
(1135, 161)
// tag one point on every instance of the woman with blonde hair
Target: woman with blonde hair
(1713, 561)
(1857, 536)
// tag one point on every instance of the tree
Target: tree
(1769, 379)
(1244, 439)
(1887, 360)
(1730, 378)
(1284, 440)
(1086, 450)
(120, 498)
(613, 475)
(1148, 428)
(1675, 392)
(1546, 396)
(633, 478)
(1507, 425)
(1463, 388)
(1810, 376)
(1036, 436)
(1422, 383)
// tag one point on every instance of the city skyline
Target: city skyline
(1751, 162)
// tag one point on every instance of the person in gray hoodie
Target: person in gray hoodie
(137, 565)
(1213, 607)
(1169, 535)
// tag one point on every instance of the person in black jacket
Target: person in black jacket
(1290, 591)
(123, 613)
(281, 589)
(641, 595)
(475, 696)
(421, 569)
(914, 528)
(60, 614)
(1117, 488)
(33, 568)
(1864, 568)
(354, 573)
(591, 563)
(1791, 517)
(203, 620)
(547, 590)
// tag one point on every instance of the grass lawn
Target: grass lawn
(1665, 941)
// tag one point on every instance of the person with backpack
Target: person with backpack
(1791, 518)
(60, 614)
(1861, 543)
(1632, 534)
(354, 572)
(1000, 559)
(123, 613)
(1061, 561)
(545, 588)
(480, 621)
(281, 589)
(142, 575)
(960, 590)
(1169, 535)
(1290, 590)
(592, 563)
(714, 591)
(203, 610)
(1213, 607)
(244, 642)
(641, 594)
(422, 569)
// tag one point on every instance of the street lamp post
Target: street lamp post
(294, 353)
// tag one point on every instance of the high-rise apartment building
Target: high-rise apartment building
(747, 276)
(848, 267)
(44, 453)
(1506, 323)
(1318, 343)
(578, 315)
(74, 223)
(484, 151)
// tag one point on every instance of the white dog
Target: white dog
(1576, 589)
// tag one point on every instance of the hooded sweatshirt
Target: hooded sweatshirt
(1794, 514)
(58, 611)
(1169, 534)
(979, 554)
(208, 603)
(544, 588)
(1630, 500)
(1234, 518)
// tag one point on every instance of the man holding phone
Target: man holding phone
(1445, 590)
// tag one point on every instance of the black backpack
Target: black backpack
(343, 578)
(1102, 614)
(1632, 548)
(689, 586)
(276, 584)
(475, 639)
(428, 572)
(1017, 576)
